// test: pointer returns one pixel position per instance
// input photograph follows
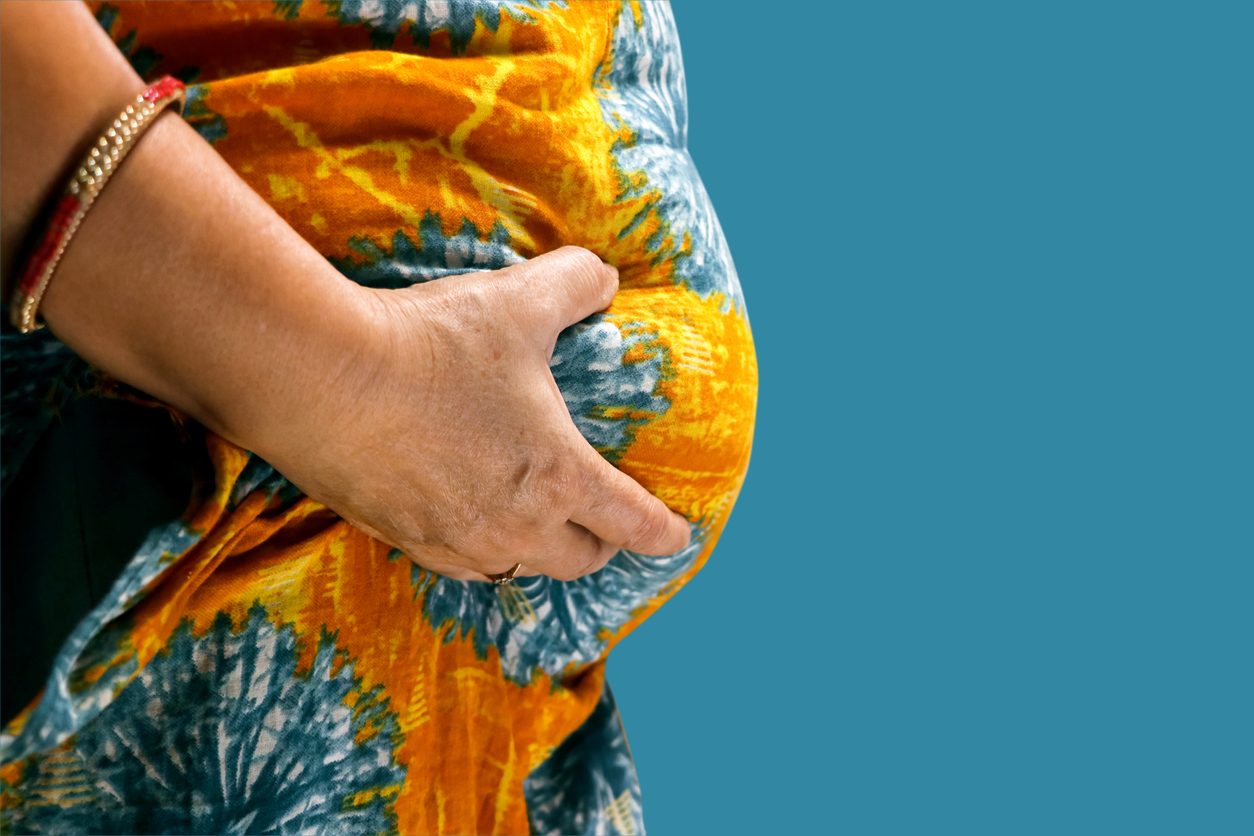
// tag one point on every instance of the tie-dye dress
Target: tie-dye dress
(262, 666)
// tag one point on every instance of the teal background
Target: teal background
(991, 571)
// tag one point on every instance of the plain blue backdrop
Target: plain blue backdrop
(992, 568)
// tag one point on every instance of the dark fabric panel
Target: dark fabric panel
(100, 477)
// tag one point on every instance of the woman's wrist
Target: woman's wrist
(184, 283)
(181, 281)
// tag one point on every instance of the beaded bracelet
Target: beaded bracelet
(105, 157)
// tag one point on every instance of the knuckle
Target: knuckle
(568, 554)
(647, 530)
(606, 552)
(596, 562)
(558, 486)
(580, 258)
(546, 304)
(598, 556)
(587, 268)
(470, 305)
(576, 568)
(475, 304)
(541, 485)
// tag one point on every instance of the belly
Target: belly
(407, 150)
(468, 149)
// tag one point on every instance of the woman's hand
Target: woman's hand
(447, 437)
(426, 416)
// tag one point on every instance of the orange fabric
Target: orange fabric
(513, 136)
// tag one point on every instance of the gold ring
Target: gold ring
(502, 578)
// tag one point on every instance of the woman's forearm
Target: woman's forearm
(181, 280)
(185, 283)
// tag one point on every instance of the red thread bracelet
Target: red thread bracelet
(104, 158)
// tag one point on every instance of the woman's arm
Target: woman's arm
(181, 281)
(427, 416)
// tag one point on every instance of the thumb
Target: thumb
(566, 285)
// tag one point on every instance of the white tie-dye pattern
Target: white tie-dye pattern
(246, 762)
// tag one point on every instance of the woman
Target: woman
(264, 267)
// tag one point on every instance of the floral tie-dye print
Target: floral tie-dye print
(254, 745)
(262, 666)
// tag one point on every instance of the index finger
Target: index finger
(620, 511)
